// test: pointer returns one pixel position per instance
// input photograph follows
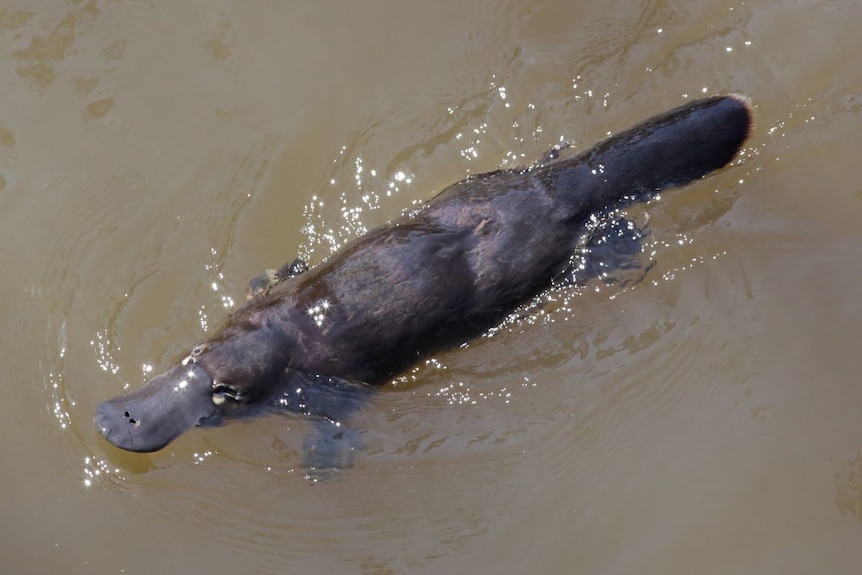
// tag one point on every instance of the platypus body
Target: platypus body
(426, 281)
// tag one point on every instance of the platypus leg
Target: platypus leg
(612, 251)
(331, 446)
(330, 401)
(260, 285)
(554, 153)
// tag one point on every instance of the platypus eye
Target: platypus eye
(224, 391)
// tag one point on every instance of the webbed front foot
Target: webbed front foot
(332, 446)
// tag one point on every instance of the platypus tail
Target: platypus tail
(666, 151)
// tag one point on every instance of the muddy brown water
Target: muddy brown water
(155, 156)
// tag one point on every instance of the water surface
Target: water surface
(154, 157)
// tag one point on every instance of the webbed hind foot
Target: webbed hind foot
(260, 285)
(612, 253)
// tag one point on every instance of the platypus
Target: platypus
(312, 342)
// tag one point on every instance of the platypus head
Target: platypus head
(149, 418)
(219, 380)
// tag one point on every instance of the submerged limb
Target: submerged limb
(330, 401)
(331, 445)
(612, 251)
